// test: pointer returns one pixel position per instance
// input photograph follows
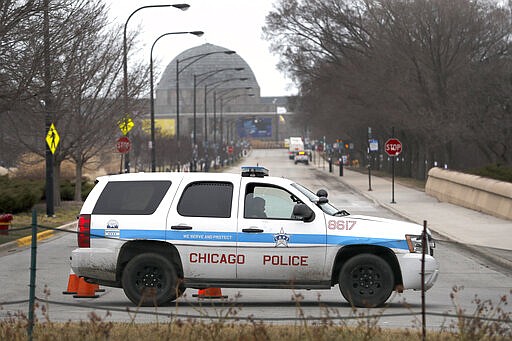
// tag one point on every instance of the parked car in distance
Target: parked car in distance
(302, 157)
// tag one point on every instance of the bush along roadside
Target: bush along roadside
(20, 195)
(496, 171)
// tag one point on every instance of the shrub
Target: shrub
(67, 190)
(18, 195)
(86, 189)
(496, 171)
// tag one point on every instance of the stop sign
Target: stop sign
(393, 147)
(230, 149)
(123, 145)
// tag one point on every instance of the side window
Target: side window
(206, 199)
(264, 201)
(131, 197)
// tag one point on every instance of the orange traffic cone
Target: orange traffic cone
(200, 293)
(97, 288)
(210, 293)
(85, 290)
(72, 284)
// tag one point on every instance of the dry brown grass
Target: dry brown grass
(97, 329)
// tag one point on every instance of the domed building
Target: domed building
(217, 85)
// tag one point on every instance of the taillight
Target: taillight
(84, 230)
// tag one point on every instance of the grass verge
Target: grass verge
(64, 214)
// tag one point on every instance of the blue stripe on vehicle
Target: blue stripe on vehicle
(231, 237)
(352, 240)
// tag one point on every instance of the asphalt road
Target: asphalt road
(459, 268)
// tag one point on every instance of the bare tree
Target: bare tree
(417, 65)
(16, 18)
(86, 64)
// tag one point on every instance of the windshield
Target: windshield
(326, 207)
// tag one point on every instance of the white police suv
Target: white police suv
(155, 234)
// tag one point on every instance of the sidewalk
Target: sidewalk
(480, 232)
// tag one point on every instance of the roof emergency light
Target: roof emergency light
(254, 171)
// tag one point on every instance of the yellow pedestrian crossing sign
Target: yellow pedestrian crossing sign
(52, 138)
(126, 124)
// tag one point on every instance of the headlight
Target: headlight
(414, 242)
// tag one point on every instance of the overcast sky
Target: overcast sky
(233, 24)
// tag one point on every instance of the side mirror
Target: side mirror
(322, 196)
(304, 212)
(322, 200)
(321, 193)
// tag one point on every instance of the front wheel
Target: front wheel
(150, 279)
(366, 281)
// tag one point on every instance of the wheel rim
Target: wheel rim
(366, 280)
(150, 277)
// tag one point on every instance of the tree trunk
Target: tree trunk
(78, 180)
(56, 183)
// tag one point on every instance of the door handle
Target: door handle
(181, 227)
(252, 230)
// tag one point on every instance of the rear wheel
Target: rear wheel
(366, 280)
(150, 279)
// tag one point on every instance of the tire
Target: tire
(154, 272)
(366, 281)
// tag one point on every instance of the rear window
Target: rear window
(207, 199)
(131, 197)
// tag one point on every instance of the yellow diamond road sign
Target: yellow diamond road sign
(52, 138)
(126, 124)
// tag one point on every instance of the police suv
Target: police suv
(155, 234)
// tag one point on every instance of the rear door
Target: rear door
(202, 225)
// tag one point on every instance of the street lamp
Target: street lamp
(205, 76)
(182, 7)
(192, 59)
(225, 101)
(153, 151)
(206, 91)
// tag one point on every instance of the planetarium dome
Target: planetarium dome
(204, 60)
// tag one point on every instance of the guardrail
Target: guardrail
(475, 192)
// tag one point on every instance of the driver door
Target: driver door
(277, 247)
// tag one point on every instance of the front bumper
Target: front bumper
(410, 264)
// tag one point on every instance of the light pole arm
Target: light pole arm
(152, 100)
(125, 48)
(125, 62)
(198, 57)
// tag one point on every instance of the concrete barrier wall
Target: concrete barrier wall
(481, 194)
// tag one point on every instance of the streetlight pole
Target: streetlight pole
(182, 7)
(225, 101)
(205, 76)
(193, 59)
(153, 149)
(206, 91)
(50, 212)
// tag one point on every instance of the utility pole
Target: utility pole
(50, 212)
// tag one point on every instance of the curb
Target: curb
(40, 236)
(26, 241)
